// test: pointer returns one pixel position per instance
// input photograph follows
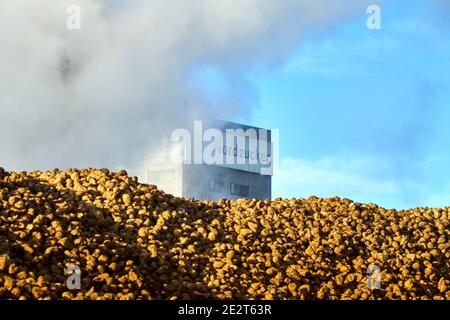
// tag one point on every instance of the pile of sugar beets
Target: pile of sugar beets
(95, 234)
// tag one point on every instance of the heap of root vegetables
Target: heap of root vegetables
(127, 240)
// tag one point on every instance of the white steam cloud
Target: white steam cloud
(102, 95)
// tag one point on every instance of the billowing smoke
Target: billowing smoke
(104, 94)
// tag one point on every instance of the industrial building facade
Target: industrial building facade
(242, 166)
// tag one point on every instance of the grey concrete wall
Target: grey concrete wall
(197, 179)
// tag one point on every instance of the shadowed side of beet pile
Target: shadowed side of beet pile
(119, 233)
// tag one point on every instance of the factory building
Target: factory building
(214, 160)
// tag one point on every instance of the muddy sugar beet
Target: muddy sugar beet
(133, 241)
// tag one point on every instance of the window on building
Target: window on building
(216, 185)
(239, 189)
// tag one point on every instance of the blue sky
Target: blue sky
(362, 114)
